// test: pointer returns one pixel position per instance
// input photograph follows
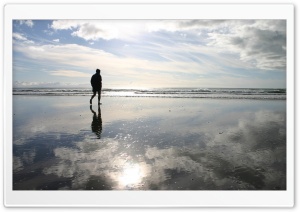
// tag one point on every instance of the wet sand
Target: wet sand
(61, 143)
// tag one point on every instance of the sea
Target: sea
(218, 93)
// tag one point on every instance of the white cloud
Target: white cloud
(69, 73)
(94, 30)
(22, 38)
(56, 40)
(19, 36)
(35, 84)
(64, 24)
(90, 31)
(85, 57)
(28, 23)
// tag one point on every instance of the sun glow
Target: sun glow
(131, 175)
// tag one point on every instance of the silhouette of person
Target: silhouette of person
(96, 82)
(97, 122)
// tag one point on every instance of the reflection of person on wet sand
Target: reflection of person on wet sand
(97, 122)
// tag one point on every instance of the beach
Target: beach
(148, 143)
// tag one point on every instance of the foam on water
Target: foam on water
(227, 93)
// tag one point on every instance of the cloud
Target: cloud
(260, 43)
(24, 84)
(263, 44)
(69, 73)
(183, 65)
(35, 84)
(200, 52)
(70, 54)
(183, 25)
(22, 38)
(28, 23)
(90, 31)
(93, 30)
(89, 58)
(19, 36)
(64, 24)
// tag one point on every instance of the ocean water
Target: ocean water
(219, 93)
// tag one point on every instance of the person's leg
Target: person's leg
(94, 94)
(100, 92)
(99, 96)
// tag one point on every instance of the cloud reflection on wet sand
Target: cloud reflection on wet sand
(232, 147)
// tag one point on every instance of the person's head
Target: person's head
(98, 71)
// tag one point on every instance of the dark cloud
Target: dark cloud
(199, 23)
(263, 43)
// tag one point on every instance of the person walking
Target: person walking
(96, 82)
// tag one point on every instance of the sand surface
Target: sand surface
(148, 144)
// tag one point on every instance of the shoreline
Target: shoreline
(250, 97)
(203, 93)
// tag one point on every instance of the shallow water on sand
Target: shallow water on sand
(148, 144)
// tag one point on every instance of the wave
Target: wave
(228, 93)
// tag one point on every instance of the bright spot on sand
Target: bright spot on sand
(131, 175)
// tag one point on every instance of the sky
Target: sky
(150, 53)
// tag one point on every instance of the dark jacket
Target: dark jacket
(96, 81)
